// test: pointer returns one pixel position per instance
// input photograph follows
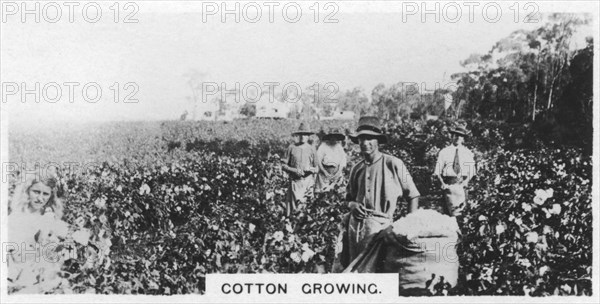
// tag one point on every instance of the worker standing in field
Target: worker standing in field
(331, 159)
(455, 167)
(300, 162)
(374, 188)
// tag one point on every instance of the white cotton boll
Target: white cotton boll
(543, 270)
(278, 236)
(540, 197)
(538, 200)
(307, 254)
(532, 237)
(499, 229)
(82, 236)
(524, 262)
(295, 256)
(100, 202)
(548, 215)
(518, 221)
(144, 189)
(541, 193)
(556, 209)
(288, 227)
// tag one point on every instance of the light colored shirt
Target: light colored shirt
(332, 155)
(332, 160)
(445, 162)
(379, 185)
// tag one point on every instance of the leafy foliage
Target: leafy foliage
(530, 231)
(160, 224)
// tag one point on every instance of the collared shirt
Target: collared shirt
(378, 185)
(445, 162)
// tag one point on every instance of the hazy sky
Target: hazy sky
(370, 44)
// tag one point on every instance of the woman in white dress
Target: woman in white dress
(35, 230)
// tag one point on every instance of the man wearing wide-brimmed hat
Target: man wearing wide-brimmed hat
(455, 167)
(331, 159)
(375, 186)
(300, 162)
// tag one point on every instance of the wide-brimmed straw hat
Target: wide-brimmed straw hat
(303, 129)
(334, 134)
(369, 125)
(460, 130)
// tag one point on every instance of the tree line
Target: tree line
(531, 77)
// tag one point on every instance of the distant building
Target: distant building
(208, 115)
(211, 112)
(340, 115)
(274, 110)
(227, 115)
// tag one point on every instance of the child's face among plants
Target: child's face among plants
(39, 194)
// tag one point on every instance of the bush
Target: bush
(529, 231)
(205, 198)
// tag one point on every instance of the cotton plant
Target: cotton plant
(42, 248)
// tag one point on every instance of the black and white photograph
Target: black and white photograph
(299, 151)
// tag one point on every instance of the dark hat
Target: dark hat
(335, 134)
(460, 130)
(369, 125)
(303, 130)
